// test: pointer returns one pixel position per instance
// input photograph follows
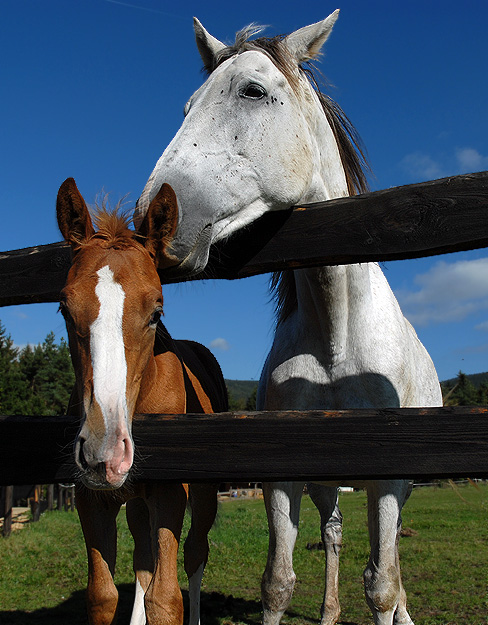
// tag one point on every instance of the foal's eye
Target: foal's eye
(63, 309)
(253, 92)
(155, 317)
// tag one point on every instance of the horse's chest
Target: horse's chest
(302, 382)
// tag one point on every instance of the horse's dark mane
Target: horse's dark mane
(350, 146)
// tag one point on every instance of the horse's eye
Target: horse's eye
(155, 317)
(63, 309)
(253, 92)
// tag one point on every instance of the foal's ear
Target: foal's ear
(208, 46)
(159, 225)
(305, 43)
(73, 217)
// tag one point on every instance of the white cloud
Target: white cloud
(482, 326)
(471, 160)
(421, 166)
(447, 292)
(221, 344)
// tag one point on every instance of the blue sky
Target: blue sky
(96, 89)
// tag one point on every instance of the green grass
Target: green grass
(445, 565)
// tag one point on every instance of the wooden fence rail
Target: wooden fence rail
(266, 446)
(447, 215)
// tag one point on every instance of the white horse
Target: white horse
(258, 137)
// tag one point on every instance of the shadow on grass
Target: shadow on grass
(216, 607)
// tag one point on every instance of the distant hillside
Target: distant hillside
(241, 389)
(477, 379)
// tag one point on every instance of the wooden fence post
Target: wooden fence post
(7, 513)
(50, 497)
(36, 503)
(60, 497)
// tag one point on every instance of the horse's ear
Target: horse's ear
(305, 43)
(73, 217)
(159, 226)
(208, 46)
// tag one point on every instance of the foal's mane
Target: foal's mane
(351, 150)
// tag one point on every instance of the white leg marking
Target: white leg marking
(138, 613)
(194, 585)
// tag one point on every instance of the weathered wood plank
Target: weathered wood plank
(441, 216)
(390, 443)
(437, 217)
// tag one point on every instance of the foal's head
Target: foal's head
(112, 302)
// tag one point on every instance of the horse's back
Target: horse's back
(204, 366)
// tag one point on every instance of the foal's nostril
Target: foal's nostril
(101, 470)
(81, 456)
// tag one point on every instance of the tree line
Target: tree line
(34, 380)
(464, 393)
(37, 380)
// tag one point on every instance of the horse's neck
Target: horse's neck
(338, 302)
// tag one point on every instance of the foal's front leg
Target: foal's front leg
(98, 513)
(163, 600)
(282, 501)
(203, 500)
(143, 561)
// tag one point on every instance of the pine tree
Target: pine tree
(482, 394)
(50, 376)
(13, 387)
(464, 393)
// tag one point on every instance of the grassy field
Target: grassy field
(444, 564)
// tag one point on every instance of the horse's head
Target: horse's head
(112, 302)
(255, 138)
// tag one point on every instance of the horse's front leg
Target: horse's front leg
(163, 601)
(98, 513)
(282, 500)
(140, 527)
(203, 501)
(326, 500)
(382, 579)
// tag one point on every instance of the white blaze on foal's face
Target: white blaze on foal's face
(113, 449)
(107, 349)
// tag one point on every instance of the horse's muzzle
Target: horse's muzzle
(98, 473)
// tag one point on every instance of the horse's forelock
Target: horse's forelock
(113, 226)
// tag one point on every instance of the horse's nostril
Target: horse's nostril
(101, 470)
(81, 456)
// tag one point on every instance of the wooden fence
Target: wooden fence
(436, 217)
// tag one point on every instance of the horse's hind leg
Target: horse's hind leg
(139, 525)
(203, 501)
(282, 501)
(382, 580)
(98, 514)
(326, 500)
